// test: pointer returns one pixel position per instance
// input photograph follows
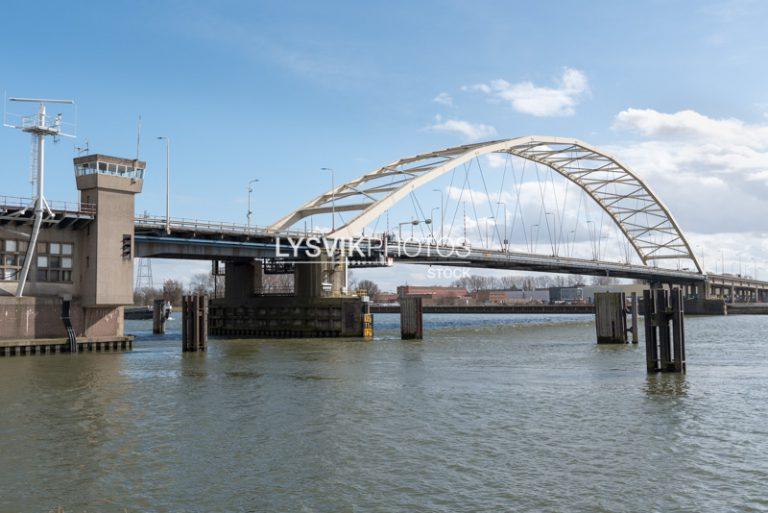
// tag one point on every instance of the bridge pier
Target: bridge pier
(318, 305)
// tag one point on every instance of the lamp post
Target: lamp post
(722, 261)
(412, 222)
(505, 241)
(167, 182)
(533, 249)
(333, 197)
(432, 216)
(250, 190)
(442, 212)
(553, 233)
(487, 240)
(701, 251)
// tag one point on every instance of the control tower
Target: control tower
(110, 184)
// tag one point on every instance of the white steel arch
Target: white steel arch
(641, 216)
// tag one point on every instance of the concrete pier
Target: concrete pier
(318, 305)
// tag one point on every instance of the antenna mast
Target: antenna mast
(39, 126)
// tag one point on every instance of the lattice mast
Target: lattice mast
(39, 125)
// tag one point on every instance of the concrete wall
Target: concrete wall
(40, 317)
(287, 316)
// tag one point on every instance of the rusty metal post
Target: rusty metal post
(411, 318)
(662, 323)
(678, 330)
(610, 318)
(651, 342)
(194, 323)
(158, 317)
(634, 314)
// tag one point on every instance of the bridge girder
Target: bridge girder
(637, 211)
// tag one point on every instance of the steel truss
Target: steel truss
(640, 215)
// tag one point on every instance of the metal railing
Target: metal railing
(71, 207)
(199, 225)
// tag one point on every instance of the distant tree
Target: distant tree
(352, 281)
(201, 283)
(475, 282)
(172, 291)
(370, 287)
(146, 296)
(277, 284)
(604, 280)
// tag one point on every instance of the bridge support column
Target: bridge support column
(242, 279)
(611, 317)
(665, 351)
(321, 276)
(319, 306)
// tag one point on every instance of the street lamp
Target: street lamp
(722, 261)
(250, 190)
(412, 222)
(432, 215)
(167, 182)
(487, 240)
(400, 228)
(442, 212)
(505, 243)
(553, 234)
(333, 198)
(533, 250)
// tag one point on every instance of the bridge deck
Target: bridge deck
(204, 240)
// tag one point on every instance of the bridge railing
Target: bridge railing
(71, 207)
(182, 223)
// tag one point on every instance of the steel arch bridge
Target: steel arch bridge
(637, 211)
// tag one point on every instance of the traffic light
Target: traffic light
(127, 246)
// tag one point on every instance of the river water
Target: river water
(487, 413)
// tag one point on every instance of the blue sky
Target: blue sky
(277, 90)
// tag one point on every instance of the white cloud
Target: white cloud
(496, 160)
(528, 98)
(470, 131)
(444, 99)
(690, 125)
(711, 173)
